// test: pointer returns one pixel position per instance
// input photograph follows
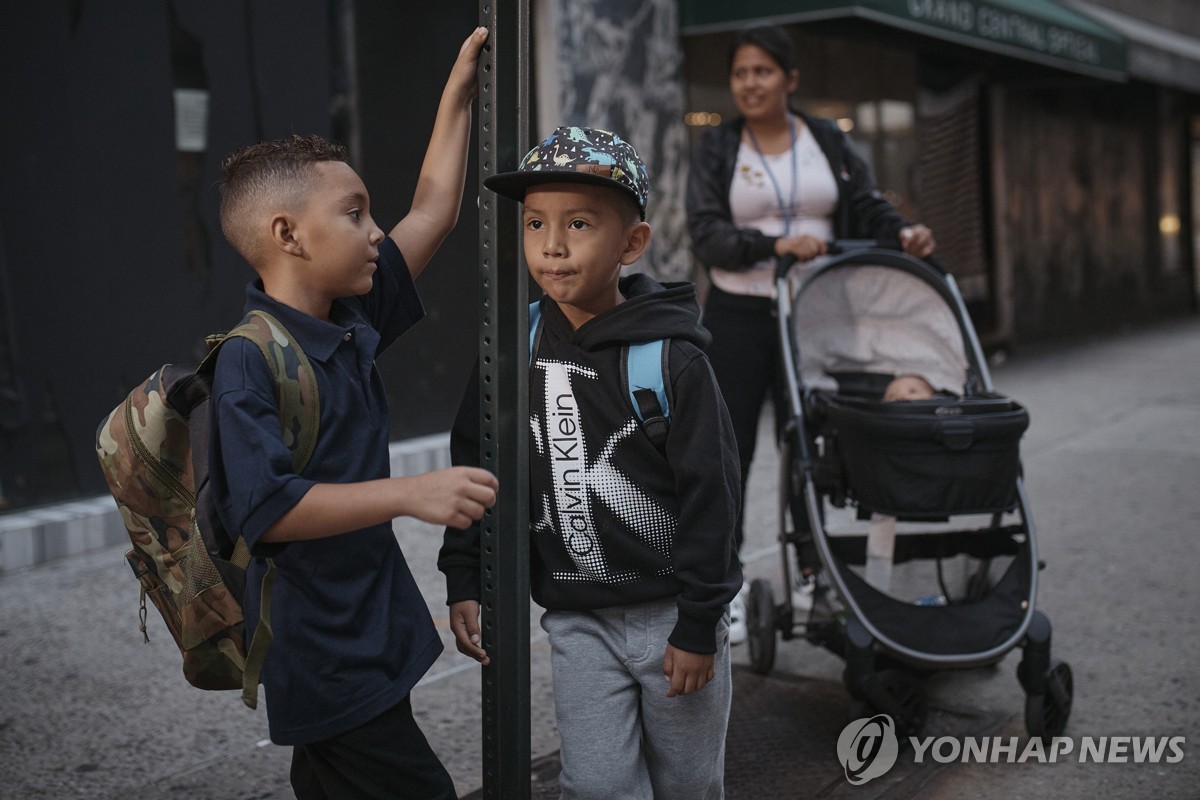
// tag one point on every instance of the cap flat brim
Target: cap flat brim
(514, 184)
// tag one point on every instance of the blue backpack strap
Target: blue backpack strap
(645, 368)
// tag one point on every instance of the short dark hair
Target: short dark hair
(278, 172)
(771, 39)
(627, 207)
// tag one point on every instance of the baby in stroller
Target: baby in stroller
(907, 387)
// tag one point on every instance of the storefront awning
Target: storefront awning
(1156, 54)
(1033, 30)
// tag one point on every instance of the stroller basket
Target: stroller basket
(958, 629)
(925, 459)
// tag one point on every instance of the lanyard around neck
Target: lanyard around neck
(784, 212)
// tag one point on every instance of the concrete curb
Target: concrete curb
(48, 533)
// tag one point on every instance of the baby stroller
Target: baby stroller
(912, 514)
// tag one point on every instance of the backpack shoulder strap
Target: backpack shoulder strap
(645, 373)
(299, 416)
(295, 380)
(256, 653)
(647, 379)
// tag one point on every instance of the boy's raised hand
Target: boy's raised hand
(464, 75)
(456, 496)
(687, 672)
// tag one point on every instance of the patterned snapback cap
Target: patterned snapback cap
(584, 155)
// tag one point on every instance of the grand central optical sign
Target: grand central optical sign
(1007, 27)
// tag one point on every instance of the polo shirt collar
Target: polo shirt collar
(318, 338)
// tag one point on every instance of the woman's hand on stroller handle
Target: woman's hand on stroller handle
(915, 240)
(788, 258)
(912, 240)
(804, 247)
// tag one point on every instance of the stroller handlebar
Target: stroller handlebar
(783, 264)
(840, 246)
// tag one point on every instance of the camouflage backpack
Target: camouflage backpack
(153, 449)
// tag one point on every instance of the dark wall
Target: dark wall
(405, 51)
(111, 256)
(91, 231)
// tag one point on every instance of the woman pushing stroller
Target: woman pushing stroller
(771, 183)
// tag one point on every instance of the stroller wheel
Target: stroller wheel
(897, 693)
(1046, 714)
(760, 627)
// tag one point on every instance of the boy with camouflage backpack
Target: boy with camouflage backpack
(153, 449)
(351, 633)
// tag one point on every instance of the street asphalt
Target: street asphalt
(1112, 468)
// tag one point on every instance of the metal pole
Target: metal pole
(504, 404)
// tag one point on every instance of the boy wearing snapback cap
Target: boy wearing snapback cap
(632, 553)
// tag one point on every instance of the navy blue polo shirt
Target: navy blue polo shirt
(352, 634)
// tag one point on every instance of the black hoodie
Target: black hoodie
(614, 520)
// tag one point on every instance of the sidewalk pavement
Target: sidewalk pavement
(1112, 461)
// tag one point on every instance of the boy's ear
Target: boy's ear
(637, 239)
(283, 234)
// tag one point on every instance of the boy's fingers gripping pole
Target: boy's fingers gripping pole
(466, 68)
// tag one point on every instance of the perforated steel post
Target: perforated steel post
(504, 404)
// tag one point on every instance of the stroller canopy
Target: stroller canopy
(852, 317)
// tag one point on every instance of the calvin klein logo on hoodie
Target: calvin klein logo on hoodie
(579, 482)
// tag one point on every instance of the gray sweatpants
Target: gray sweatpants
(621, 736)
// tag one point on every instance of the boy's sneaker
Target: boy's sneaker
(803, 591)
(737, 615)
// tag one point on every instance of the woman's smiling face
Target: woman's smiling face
(759, 85)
